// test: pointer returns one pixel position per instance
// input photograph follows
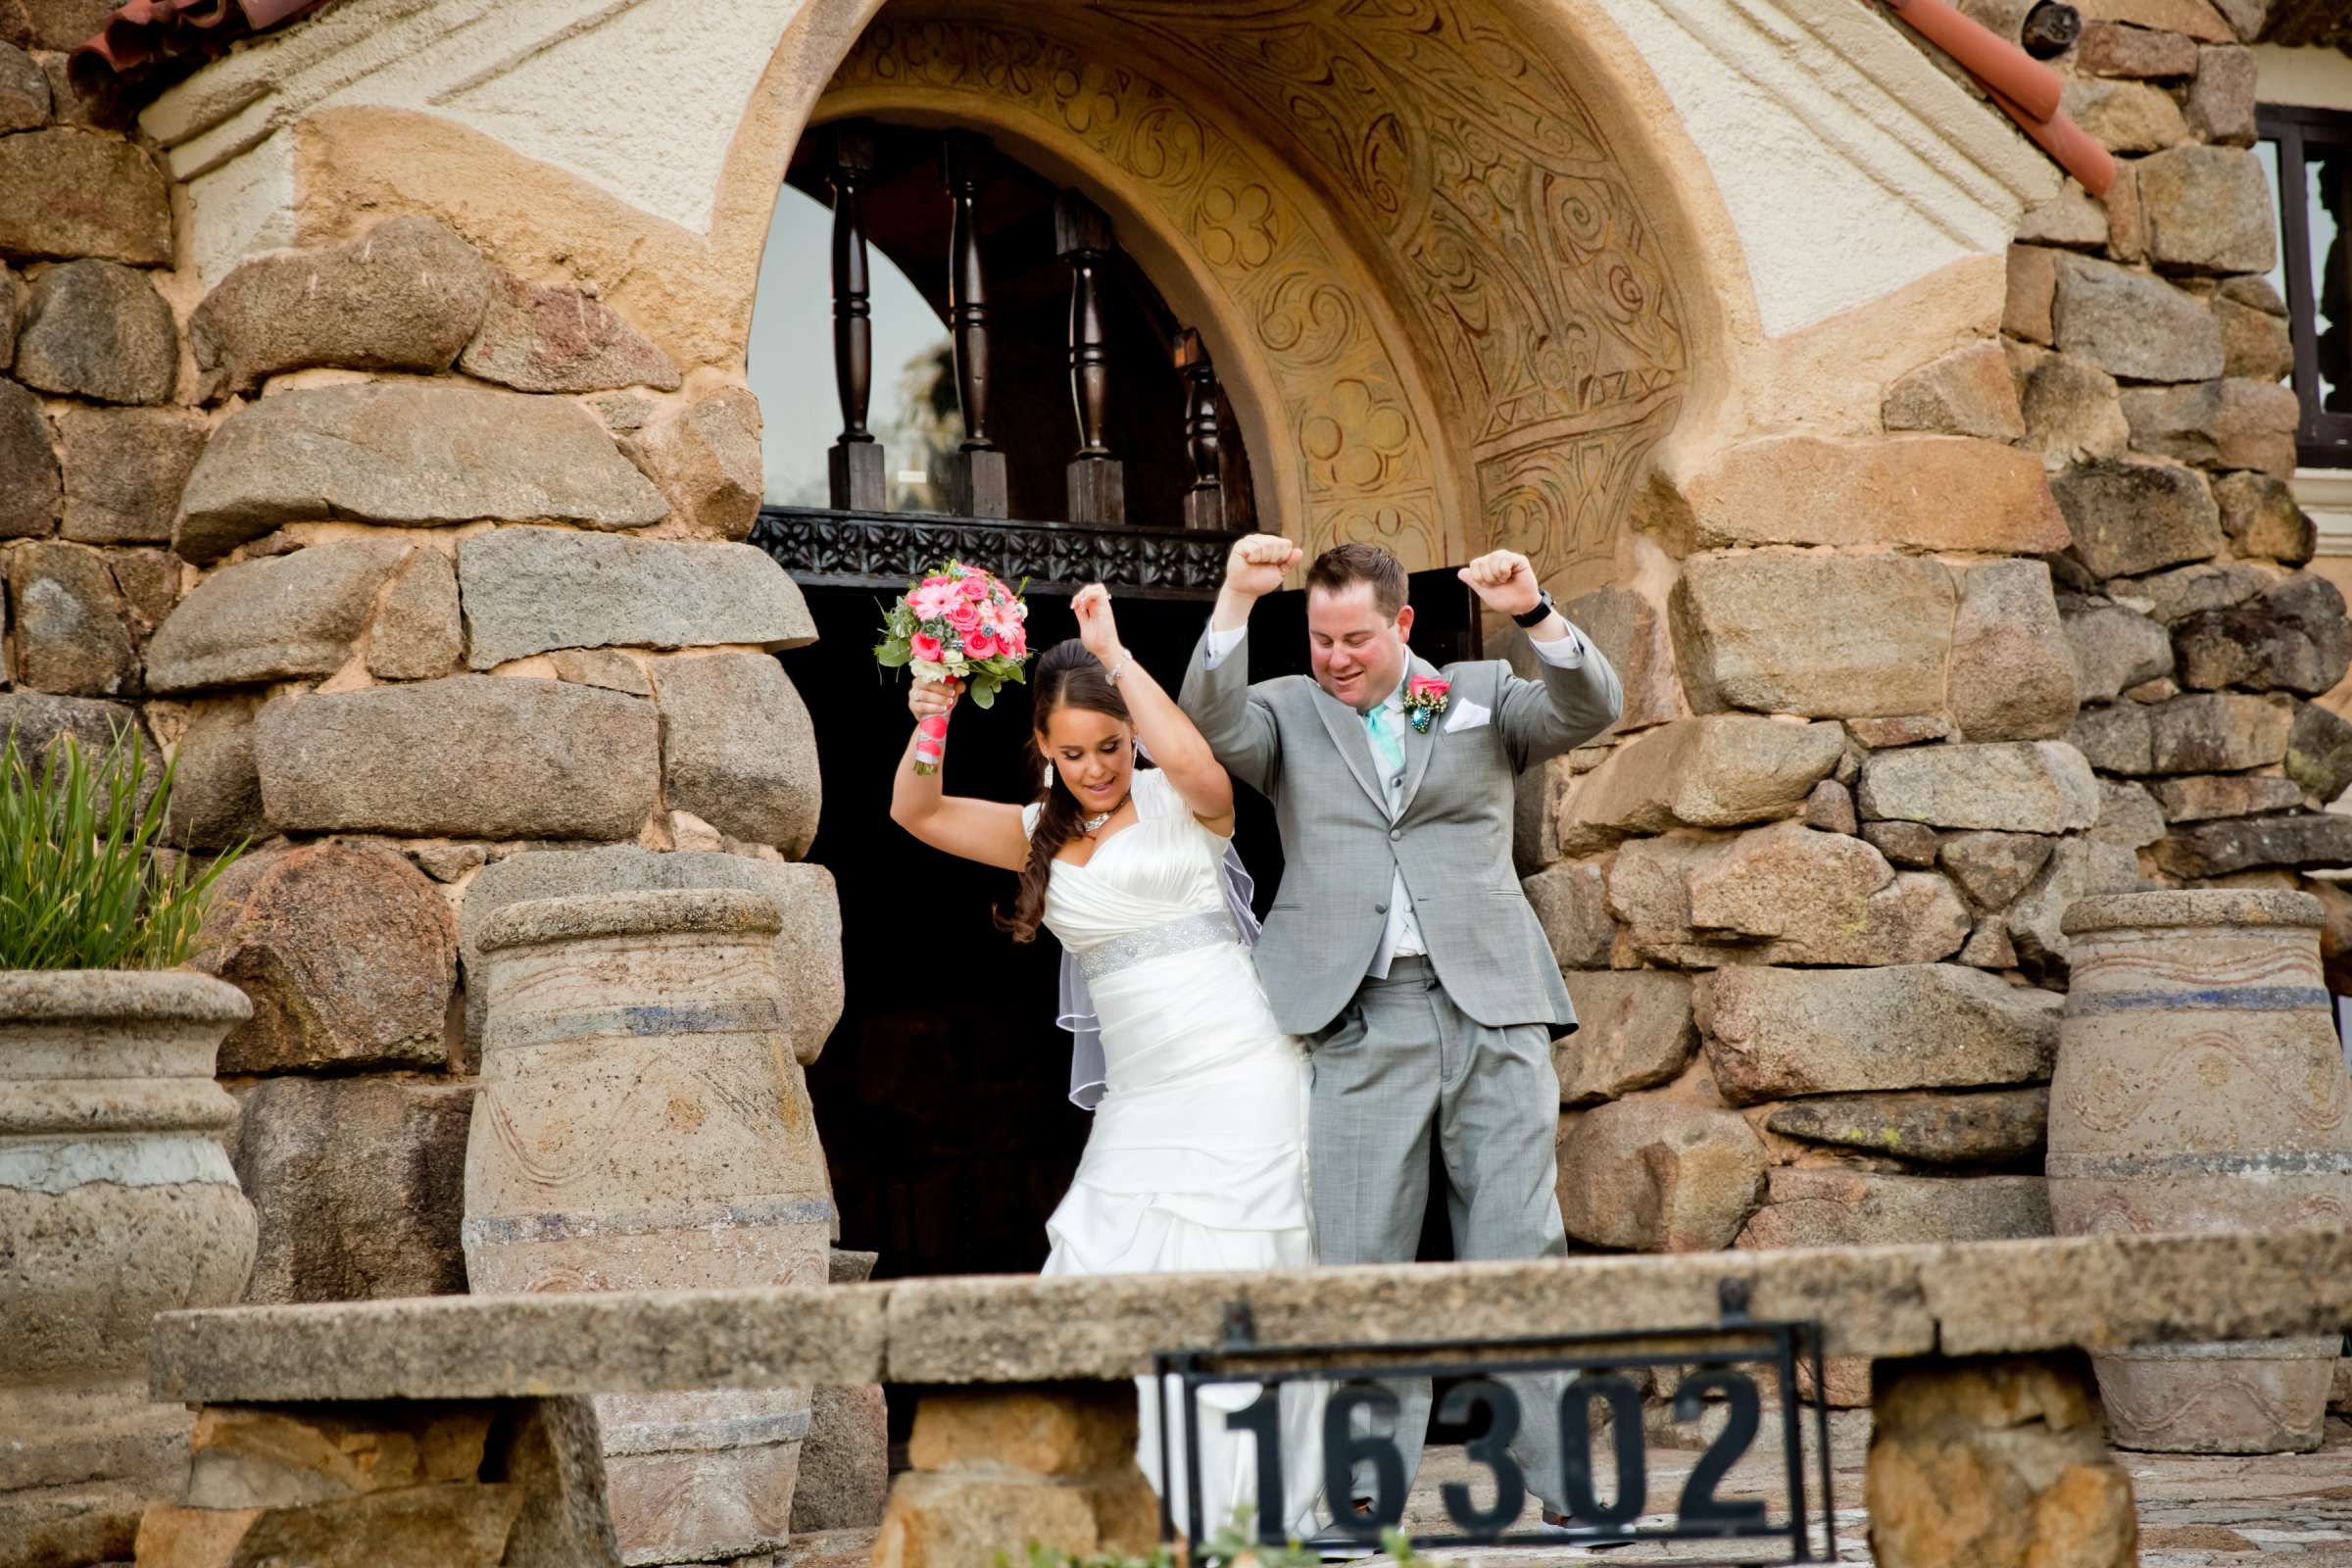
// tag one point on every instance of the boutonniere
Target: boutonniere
(1425, 700)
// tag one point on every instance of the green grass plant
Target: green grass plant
(84, 880)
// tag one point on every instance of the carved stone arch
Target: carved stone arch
(1345, 442)
(1575, 223)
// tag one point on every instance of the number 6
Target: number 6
(1342, 1448)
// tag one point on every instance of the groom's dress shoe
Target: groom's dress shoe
(1334, 1545)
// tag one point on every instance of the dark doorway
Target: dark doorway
(942, 1093)
(943, 1096)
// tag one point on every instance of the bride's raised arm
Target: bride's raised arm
(1180, 750)
(987, 831)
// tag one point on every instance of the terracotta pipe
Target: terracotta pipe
(2077, 152)
(2001, 66)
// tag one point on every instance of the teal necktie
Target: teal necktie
(1386, 747)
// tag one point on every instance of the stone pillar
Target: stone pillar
(997, 1468)
(843, 1481)
(1998, 1463)
(394, 632)
(456, 1484)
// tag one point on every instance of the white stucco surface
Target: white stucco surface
(2315, 78)
(640, 97)
(1850, 166)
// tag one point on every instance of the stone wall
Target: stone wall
(430, 578)
(1896, 695)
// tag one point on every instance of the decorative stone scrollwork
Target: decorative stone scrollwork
(1512, 232)
(1359, 436)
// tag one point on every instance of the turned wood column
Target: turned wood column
(1203, 498)
(979, 488)
(856, 458)
(1097, 482)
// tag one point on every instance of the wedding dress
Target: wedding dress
(1198, 1157)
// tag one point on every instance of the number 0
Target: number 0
(1576, 1450)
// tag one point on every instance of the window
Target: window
(2308, 155)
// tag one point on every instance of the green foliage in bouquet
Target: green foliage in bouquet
(906, 632)
(83, 881)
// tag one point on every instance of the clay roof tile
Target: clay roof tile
(144, 32)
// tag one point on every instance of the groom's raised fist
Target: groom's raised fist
(1257, 563)
(1504, 581)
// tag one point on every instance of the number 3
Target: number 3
(1491, 1451)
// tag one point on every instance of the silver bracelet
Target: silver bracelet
(1120, 669)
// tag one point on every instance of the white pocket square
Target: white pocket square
(1467, 714)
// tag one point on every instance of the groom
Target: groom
(1399, 947)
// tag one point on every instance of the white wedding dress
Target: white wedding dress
(1198, 1157)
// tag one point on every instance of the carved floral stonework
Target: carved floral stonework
(1361, 464)
(1507, 221)
(1499, 221)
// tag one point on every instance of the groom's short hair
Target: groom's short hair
(1343, 566)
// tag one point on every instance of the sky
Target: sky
(791, 365)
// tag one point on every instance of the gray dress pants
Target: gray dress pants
(1404, 1064)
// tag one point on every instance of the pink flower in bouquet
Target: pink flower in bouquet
(959, 621)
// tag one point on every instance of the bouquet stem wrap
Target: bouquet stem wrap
(958, 622)
(930, 743)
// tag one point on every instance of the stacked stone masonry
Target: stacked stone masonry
(1907, 690)
(430, 580)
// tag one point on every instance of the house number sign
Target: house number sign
(1589, 1386)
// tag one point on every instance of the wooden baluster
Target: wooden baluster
(979, 484)
(1097, 485)
(1203, 498)
(856, 458)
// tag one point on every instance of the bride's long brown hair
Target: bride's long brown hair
(1067, 676)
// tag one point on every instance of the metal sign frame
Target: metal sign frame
(1712, 1356)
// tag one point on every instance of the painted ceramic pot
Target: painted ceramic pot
(117, 1203)
(2200, 1086)
(642, 1124)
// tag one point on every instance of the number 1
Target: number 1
(1262, 1418)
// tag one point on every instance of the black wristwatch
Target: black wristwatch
(1531, 618)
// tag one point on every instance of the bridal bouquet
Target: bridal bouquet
(956, 622)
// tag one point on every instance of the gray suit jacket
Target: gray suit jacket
(1306, 752)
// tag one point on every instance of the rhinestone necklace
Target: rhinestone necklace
(1092, 825)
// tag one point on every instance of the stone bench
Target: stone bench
(449, 1429)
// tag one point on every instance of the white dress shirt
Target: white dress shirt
(1402, 937)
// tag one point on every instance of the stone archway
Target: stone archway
(1456, 326)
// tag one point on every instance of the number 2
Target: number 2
(1700, 1502)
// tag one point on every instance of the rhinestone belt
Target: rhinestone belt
(1156, 942)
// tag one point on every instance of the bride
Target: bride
(1198, 1157)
